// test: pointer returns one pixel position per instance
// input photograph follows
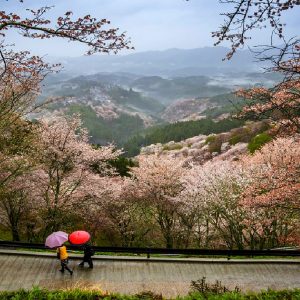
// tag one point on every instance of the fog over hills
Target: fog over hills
(168, 63)
(118, 96)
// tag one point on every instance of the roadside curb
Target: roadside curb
(156, 259)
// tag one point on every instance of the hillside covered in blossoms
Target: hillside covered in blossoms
(166, 150)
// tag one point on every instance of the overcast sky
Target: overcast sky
(151, 24)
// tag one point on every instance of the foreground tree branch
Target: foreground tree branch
(86, 30)
(281, 103)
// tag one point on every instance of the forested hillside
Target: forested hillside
(104, 131)
(177, 132)
(115, 114)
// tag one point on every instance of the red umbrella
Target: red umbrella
(79, 237)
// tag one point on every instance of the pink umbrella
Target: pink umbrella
(56, 239)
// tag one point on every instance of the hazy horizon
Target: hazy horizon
(151, 25)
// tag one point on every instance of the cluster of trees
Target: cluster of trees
(40, 184)
(103, 131)
(42, 164)
(252, 203)
(51, 178)
(128, 131)
(177, 132)
(136, 99)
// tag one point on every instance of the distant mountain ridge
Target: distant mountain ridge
(168, 63)
(165, 90)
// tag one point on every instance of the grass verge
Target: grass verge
(78, 294)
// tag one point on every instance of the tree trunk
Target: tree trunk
(15, 234)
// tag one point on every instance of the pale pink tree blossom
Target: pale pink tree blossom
(158, 183)
(66, 170)
(210, 202)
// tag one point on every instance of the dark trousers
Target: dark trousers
(64, 265)
(87, 259)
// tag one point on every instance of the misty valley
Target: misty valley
(126, 108)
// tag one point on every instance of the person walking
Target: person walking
(63, 256)
(87, 256)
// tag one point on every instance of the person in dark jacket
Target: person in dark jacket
(87, 256)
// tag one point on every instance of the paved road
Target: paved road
(170, 278)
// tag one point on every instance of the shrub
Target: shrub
(172, 147)
(148, 295)
(210, 139)
(240, 135)
(215, 146)
(246, 134)
(258, 127)
(235, 139)
(204, 288)
(258, 141)
(214, 143)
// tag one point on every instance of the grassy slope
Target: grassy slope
(96, 295)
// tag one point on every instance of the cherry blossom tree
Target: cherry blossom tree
(273, 193)
(268, 227)
(95, 192)
(213, 213)
(18, 142)
(280, 104)
(21, 73)
(275, 171)
(211, 196)
(194, 213)
(16, 205)
(66, 176)
(118, 216)
(158, 184)
(246, 16)
(20, 76)
(18, 146)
